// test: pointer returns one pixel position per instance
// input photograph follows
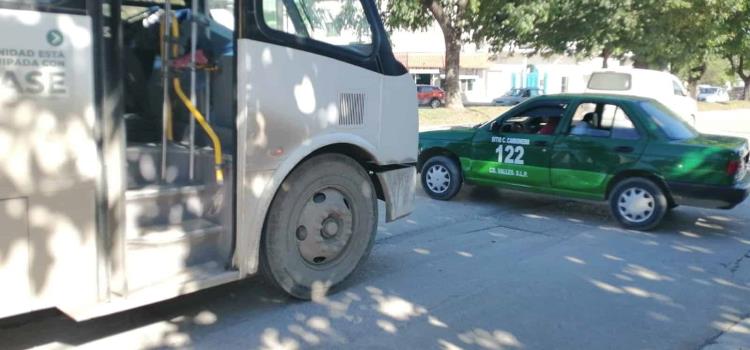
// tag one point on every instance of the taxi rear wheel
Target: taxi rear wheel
(441, 178)
(638, 204)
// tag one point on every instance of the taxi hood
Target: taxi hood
(456, 133)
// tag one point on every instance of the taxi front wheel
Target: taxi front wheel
(441, 178)
(638, 203)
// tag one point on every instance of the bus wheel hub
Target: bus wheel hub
(327, 218)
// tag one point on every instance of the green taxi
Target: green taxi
(630, 151)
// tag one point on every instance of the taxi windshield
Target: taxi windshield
(670, 123)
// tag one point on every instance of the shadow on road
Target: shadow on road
(490, 270)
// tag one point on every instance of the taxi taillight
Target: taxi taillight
(733, 167)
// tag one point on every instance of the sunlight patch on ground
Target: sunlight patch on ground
(613, 257)
(606, 287)
(422, 251)
(732, 327)
(645, 273)
(637, 291)
(272, 340)
(690, 234)
(305, 335)
(659, 316)
(575, 260)
(701, 281)
(535, 216)
(446, 345)
(704, 224)
(623, 277)
(397, 308)
(387, 326)
(205, 318)
(319, 323)
(436, 322)
(726, 283)
(687, 248)
(498, 339)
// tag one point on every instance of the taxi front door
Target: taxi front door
(515, 149)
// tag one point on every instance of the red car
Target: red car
(429, 95)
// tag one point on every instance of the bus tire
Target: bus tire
(320, 227)
(638, 203)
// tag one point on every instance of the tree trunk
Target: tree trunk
(605, 58)
(452, 85)
(739, 69)
(694, 76)
(452, 32)
(693, 88)
(640, 63)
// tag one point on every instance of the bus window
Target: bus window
(339, 23)
(222, 11)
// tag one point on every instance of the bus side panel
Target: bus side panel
(290, 106)
(14, 258)
(48, 158)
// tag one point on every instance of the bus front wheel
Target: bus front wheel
(320, 227)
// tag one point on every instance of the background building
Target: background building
(485, 75)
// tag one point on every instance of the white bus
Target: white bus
(150, 149)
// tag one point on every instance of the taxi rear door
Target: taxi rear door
(588, 153)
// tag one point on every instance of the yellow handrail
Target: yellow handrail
(218, 158)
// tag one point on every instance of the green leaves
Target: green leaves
(681, 35)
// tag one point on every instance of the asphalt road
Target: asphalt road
(489, 270)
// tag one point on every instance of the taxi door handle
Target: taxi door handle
(540, 143)
(624, 149)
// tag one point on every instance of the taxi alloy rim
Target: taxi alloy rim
(636, 205)
(438, 178)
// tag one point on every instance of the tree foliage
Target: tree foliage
(455, 18)
(683, 36)
(578, 27)
(736, 46)
(680, 35)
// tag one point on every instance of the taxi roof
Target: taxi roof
(595, 95)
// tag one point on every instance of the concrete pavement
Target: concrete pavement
(489, 270)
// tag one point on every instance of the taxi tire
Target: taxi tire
(661, 204)
(456, 177)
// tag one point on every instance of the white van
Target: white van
(661, 86)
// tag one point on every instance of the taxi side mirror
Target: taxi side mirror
(495, 127)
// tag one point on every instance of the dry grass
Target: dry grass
(467, 116)
(703, 106)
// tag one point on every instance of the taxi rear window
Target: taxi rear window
(611, 81)
(670, 123)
